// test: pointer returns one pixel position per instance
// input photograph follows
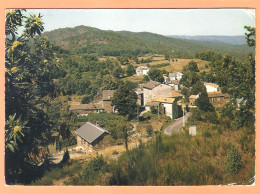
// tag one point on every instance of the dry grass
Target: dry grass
(75, 100)
(134, 78)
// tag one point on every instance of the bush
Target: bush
(211, 117)
(206, 133)
(86, 99)
(149, 130)
(115, 152)
(233, 161)
(66, 157)
(97, 164)
(154, 110)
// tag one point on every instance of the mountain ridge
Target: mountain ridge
(84, 39)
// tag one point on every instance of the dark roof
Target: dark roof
(90, 106)
(108, 94)
(90, 132)
(217, 94)
(151, 84)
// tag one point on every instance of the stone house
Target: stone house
(217, 97)
(84, 109)
(89, 135)
(101, 103)
(153, 89)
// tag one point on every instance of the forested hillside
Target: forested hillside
(187, 48)
(89, 40)
(82, 39)
(235, 40)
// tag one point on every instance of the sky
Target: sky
(160, 21)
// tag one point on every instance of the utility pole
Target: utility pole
(137, 114)
(158, 112)
(183, 111)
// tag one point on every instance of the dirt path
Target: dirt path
(178, 123)
(106, 152)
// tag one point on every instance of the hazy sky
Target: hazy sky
(160, 21)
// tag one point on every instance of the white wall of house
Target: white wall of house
(178, 76)
(145, 71)
(168, 109)
(211, 88)
(147, 108)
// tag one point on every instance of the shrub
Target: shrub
(154, 110)
(86, 99)
(149, 130)
(233, 161)
(115, 152)
(97, 164)
(206, 133)
(66, 157)
(211, 117)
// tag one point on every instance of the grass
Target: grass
(174, 66)
(151, 119)
(134, 78)
(179, 159)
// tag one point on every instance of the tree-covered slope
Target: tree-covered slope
(190, 47)
(82, 39)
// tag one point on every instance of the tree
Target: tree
(124, 100)
(189, 78)
(109, 83)
(130, 70)
(192, 66)
(203, 102)
(28, 78)
(118, 72)
(146, 78)
(197, 88)
(156, 75)
(233, 161)
(250, 36)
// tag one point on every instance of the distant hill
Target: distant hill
(235, 40)
(82, 39)
(190, 47)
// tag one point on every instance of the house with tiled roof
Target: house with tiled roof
(176, 94)
(192, 100)
(168, 105)
(153, 89)
(211, 87)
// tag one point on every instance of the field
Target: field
(174, 65)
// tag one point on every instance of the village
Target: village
(164, 98)
(89, 105)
